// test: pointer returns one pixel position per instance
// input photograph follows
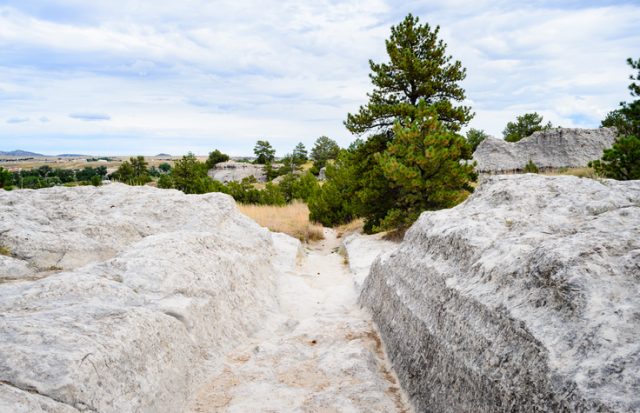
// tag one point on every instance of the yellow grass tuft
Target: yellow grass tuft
(292, 219)
(5, 251)
(579, 172)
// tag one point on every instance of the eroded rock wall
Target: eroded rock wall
(236, 171)
(114, 295)
(522, 298)
(552, 149)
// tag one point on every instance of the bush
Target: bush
(531, 167)
(96, 180)
(333, 203)
(621, 161)
(215, 158)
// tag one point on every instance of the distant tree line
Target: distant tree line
(45, 177)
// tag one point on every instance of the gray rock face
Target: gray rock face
(115, 294)
(523, 298)
(554, 148)
(236, 171)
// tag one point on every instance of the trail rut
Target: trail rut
(319, 353)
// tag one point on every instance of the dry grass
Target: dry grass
(75, 163)
(292, 219)
(579, 172)
(5, 251)
(346, 229)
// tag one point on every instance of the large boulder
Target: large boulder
(552, 149)
(113, 296)
(526, 297)
(236, 171)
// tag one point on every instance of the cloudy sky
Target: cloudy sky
(143, 77)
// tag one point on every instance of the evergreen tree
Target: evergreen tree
(621, 161)
(264, 152)
(474, 137)
(424, 163)
(215, 157)
(324, 149)
(627, 119)
(190, 176)
(299, 155)
(418, 68)
(524, 126)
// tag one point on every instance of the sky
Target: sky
(106, 77)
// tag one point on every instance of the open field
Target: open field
(20, 163)
(292, 219)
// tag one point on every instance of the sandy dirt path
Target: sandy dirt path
(320, 353)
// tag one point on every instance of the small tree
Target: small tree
(424, 163)
(124, 173)
(299, 155)
(474, 137)
(323, 150)
(264, 152)
(164, 167)
(524, 126)
(215, 158)
(621, 161)
(140, 172)
(190, 175)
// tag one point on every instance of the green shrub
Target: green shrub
(531, 167)
(96, 180)
(621, 161)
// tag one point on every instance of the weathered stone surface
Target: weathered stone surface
(523, 298)
(141, 285)
(236, 171)
(361, 251)
(554, 148)
(322, 175)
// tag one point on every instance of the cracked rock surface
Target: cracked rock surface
(112, 295)
(526, 297)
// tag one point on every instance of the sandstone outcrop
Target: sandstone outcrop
(236, 171)
(552, 149)
(113, 295)
(361, 250)
(523, 298)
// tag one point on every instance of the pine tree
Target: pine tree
(418, 68)
(264, 152)
(524, 126)
(424, 164)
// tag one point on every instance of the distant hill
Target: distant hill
(164, 155)
(19, 152)
(71, 155)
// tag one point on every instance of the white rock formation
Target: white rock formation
(361, 251)
(236, 171)
(115, 294)
(554, 148)
(526, 297)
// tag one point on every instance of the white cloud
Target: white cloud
(194, 75)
